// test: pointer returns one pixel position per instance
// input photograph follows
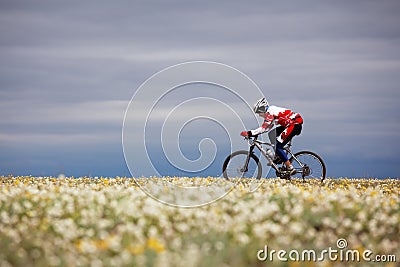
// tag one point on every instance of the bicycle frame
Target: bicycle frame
(258, 144)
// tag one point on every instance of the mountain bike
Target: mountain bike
(245, 163)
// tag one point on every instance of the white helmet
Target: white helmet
(261, 106)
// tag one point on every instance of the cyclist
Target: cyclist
(290, 124)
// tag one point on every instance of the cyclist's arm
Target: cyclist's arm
(266, 126)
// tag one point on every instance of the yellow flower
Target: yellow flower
(136, 249)
(373, 193)
(155, 245)
(78, 244)
(101, 244)
(360, 249)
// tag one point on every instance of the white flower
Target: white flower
(296, 228)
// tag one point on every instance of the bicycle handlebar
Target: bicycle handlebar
(249, 137)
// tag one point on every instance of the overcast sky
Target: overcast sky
(69, 69)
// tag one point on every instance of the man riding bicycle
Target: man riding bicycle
(290, 122)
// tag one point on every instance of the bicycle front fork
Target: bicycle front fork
(245, 168)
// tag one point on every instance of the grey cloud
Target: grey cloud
(73, 64)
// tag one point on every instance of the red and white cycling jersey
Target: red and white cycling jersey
(282, 116)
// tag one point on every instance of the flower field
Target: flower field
(46, 221)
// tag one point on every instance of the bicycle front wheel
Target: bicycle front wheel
(235, 166)
(308, 165)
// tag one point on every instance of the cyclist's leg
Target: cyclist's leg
(273, 134)
(298, 127)
(279, 130)
(289, 133)
(283, 139)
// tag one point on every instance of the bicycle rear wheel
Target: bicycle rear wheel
(308, 165)
(234, 166)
